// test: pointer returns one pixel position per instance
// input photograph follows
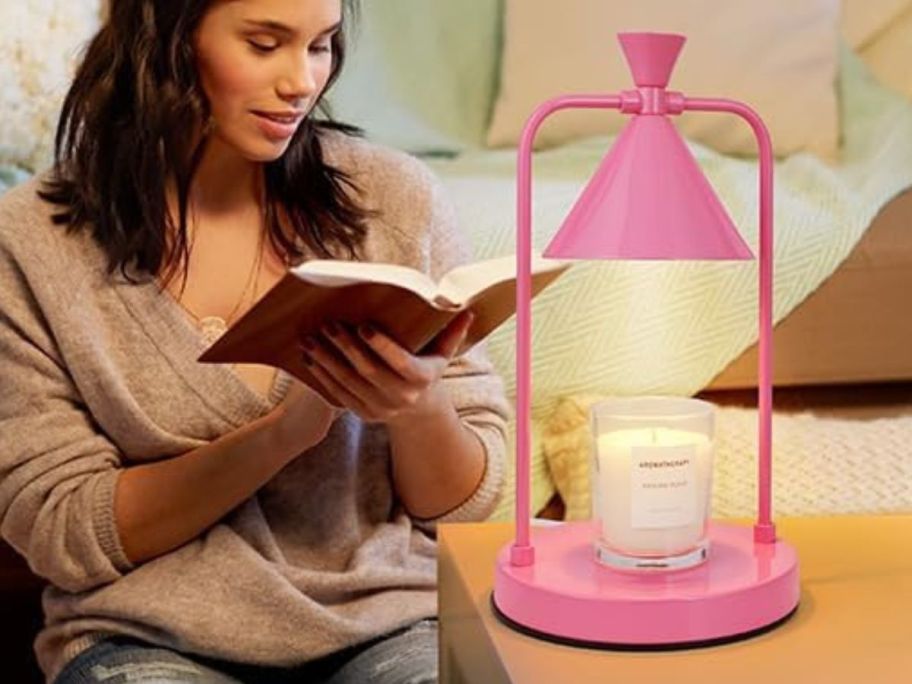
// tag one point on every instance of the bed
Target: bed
(856, 327)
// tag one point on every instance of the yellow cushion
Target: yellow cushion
(542, 486)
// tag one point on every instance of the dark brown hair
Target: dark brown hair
(123, 131)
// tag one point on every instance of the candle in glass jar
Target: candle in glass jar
(653, 489)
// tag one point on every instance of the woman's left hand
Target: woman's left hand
(373, 376)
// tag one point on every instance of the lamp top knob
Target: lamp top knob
(651, 56)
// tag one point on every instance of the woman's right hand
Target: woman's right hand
(303, 418)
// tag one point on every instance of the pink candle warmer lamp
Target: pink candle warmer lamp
(647, 200)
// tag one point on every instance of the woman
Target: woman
(202, 522)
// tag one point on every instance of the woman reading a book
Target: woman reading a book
(203, 522)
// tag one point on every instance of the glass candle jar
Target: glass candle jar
(651, 471)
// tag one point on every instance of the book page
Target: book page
(464, 282)
(338, 273)
(397, 299)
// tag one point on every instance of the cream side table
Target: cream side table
(853, 624)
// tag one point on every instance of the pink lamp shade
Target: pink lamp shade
(649, 198)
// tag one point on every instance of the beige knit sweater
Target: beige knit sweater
(98, 374)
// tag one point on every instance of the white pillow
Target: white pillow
(40, 41)
(779, 56)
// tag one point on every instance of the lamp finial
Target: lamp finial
(651, 56)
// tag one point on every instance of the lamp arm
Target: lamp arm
(764, 529)
(522, 552)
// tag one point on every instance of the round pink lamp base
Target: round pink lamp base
(742, 589)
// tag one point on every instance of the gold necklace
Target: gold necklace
(213, 327)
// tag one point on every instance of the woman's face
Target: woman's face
(262, 65)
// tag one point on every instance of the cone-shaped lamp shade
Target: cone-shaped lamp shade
(649, 199)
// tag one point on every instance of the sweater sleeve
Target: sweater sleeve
(57, 469)
(475, 388)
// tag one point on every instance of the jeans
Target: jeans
(406, 656)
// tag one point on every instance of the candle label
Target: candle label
(663, 486)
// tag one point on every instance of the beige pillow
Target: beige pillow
(881, 33)
(779, 56)
(864, 20)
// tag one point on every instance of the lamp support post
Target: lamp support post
(522, 552)
(645, 100)
(764, 529)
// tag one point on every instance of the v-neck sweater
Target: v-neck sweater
(99, 374)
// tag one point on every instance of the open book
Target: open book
(400, 301)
